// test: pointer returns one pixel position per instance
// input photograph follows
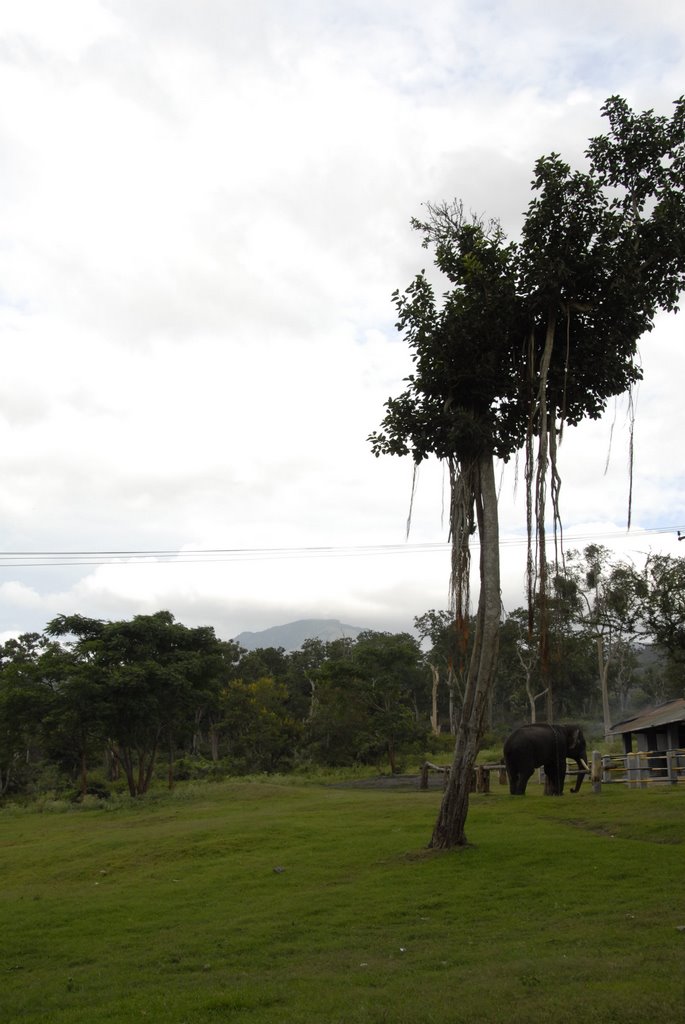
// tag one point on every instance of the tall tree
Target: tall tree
(369, 698)
(447, 661)
(606, 609)
(532, 336)
(155, 673)
(660, 591)
(24, 703)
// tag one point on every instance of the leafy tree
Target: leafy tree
(303, 675)
(517, 681)
(264, 661)
(446, 659)
(603, 596)
(660, 591)
(24, 702)
(260, 733)
(519, 687)
(623, 672)
(74, 726)
(533, 336)
(155, 672)
(222, 667)
(371, 699)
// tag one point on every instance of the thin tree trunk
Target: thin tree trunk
(127, 761)
(545, 428)
(603, 665)
(435, 724)
(147, 778)
(214, 741)
(84, 773)
(391, 756)
(170, 765)
(449, 830)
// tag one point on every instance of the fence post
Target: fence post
(671, 766)
(596, 771)
(634, 771)
(424, 776)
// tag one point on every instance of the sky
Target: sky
(204, 211)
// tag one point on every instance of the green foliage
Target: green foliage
(260, 733)
(122, 693)
(600, 252)
(152, 673)
(660, 591)
(171, 910)
(368, 701)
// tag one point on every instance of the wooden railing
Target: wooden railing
(480, 778)
(638, 770)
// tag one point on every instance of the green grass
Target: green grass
(170, 909)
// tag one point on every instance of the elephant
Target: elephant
(548, 745)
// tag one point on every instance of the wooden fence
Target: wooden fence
(639, 770)
(480, 777)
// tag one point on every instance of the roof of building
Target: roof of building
(664, 714)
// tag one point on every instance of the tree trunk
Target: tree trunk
(391, 756)
(545, 434)
(603, 665)
(214, 741)
(112, 761)
(127, 762)
(170, 764)
(197, 734)
(84, 773)
(435, 724)
(147, 776)
(449, 830)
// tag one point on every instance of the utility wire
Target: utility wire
(44, 559)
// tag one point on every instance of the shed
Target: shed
(661, 728)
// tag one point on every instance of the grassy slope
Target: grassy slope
(563, 909)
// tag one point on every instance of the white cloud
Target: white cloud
(204, 214)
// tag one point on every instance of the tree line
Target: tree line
(90, 702)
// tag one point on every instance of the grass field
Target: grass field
(170, 910)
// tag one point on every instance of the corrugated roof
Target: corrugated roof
(672, 711)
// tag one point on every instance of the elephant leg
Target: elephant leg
(518, 780)
(555, 772)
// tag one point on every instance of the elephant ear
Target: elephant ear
(573, 738)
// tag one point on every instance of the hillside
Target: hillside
(292, 635)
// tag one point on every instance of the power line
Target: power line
(178, 556)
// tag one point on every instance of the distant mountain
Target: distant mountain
(292, 635)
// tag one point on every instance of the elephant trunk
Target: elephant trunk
(583, 768)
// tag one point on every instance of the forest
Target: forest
(90, 705)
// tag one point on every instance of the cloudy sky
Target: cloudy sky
(204, 211)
